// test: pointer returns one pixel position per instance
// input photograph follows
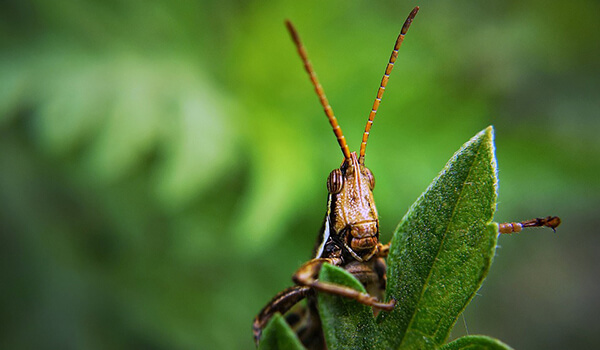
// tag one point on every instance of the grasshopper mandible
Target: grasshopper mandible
(349, 237)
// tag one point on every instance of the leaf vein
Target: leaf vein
(445, 235)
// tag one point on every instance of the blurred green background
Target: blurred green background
(163, 164)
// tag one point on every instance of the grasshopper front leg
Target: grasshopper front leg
(383, 250)
(307, 276)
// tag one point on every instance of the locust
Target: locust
(349, 237)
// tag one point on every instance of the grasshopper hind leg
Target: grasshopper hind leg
(281, 303)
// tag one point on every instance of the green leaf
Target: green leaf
(442, 249)
(278, 335)
(476, 342)
(346, 323)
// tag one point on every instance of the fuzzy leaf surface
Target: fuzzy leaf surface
(442, 249)
(346, 323)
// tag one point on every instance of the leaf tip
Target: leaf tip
(487, 134)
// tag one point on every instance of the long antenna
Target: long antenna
(384, 80)
(319, 89)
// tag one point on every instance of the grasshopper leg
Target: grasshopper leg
(281, 303)
(514, 227)
(383, 250)
(307, 276)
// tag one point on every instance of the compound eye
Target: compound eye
(370, 178)
(335, 181)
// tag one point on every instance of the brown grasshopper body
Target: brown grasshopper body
(349, 237)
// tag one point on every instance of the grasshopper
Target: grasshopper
(349, 237)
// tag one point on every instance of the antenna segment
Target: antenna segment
(384, 81)
(319, 89)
